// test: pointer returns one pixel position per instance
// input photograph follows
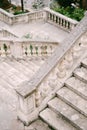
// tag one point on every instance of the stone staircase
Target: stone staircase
(13, 73)
(68, 110)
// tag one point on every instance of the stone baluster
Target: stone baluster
(62, 69)
(69, 59)
(83, 41)
(59, 20)
(56, 19)
(76, 51)
(38, 97)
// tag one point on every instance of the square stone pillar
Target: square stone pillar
(26, 106)
(16, 49)
(26, 110)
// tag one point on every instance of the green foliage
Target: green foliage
(4, 4)
(38, 4)
(74, 13)
(19, 12)
(78, 14)
(65, 3)
(5, 47)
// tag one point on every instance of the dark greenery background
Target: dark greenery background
(65, 7)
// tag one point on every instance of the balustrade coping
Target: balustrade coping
(19, 40)
(26, 88)
(61, 15)
(6, 13)
(13, 16)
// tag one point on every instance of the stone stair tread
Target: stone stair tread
(73, 99)
(77, 86)
(13, 80)
(73, 116)
(81, 73)
(8, 97)
(33, 67)
(10, 70)
(9, 87)
(84, 62)
(20, 67)
(38, 125)
(55, 120)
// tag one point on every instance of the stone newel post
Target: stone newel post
(26, 110)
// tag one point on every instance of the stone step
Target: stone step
(13, 79)
(33, 66)
(38, 62)
(74, 117)
(55, 120)
(84, 62)
(8, 97)
(73, 100)
(77, 86)
(20, 67)
(81, 74)
(10, 70)
(38, 125)
(29, 64)
(8, 86)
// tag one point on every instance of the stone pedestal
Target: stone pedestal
(26, 111)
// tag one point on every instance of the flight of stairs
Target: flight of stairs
(12, 74)
(68, 110)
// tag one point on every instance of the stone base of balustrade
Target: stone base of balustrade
(59, 26)
(27, 119)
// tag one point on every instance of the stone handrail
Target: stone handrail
(34, 94)
(6, 17)
(60, 20)
(46, 15)
(18, 48)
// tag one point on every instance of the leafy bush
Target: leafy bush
(74, 13)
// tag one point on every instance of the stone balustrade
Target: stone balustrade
(6, 17)
(34, 94)
(26, 48)
(22, 18)
(46, 15)
(5, 48)
(60, 20)
(29, 17)
(6, 33)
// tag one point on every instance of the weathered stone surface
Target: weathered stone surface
(38, 125)
(76, 118)
(73, 99)
(14, 74)
(77, 86)
(84, 62)
(81, 73)
(55, 120)
(56, 56)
